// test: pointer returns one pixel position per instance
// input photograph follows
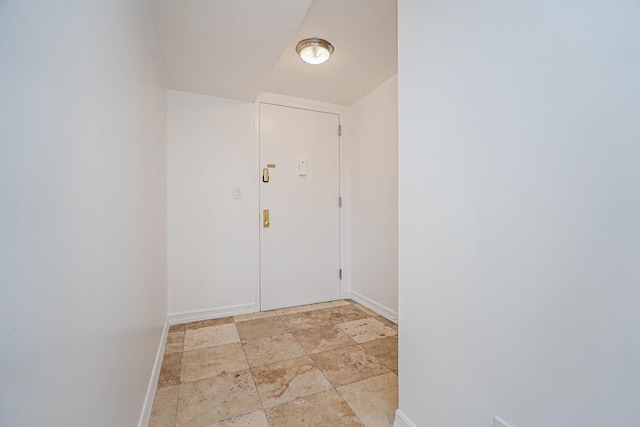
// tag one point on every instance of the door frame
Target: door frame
(323, 107)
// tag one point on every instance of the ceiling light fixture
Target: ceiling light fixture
(314, 51)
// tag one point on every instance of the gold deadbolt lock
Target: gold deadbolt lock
(265, 218)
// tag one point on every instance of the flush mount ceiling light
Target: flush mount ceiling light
(314, 51)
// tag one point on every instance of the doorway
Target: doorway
(299, 158)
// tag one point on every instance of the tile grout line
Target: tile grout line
(242, 344)
(175, 416)
(321, 371)
(303, 349)
(309, 355)
(376, 357)
(352, 410)
(353, 382)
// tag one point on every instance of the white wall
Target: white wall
(519, 212)
(212, 237)
(373, 175)
(83, 296)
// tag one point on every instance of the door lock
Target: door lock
(265, 218)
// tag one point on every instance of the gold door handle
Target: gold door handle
(265, 218)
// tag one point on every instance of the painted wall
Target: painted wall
(519, 212)
(83, 296)
(373, 176)
(211, 235)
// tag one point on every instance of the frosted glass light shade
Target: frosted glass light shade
(314, 51)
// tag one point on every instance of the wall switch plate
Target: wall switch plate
(237, 192)
(302, 167)
(499, 422)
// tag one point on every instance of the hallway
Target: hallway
(327, 364)
(490, 195)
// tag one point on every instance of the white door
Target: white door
(300, 244)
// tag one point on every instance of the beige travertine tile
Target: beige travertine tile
(329, 304)
(374, 400)
(385, 350)
(210, 336)
(346, 365)
(371, 313)
(319, 410)
(261, 328)
(272, 349)
(209, 322)
(306, 320)
(175, 342)
(288, 380)
(361, 307)
(254, 316)
(345, 313)
(293, 310)
(295, 386)
(216, 399)
(212, 361)
(252, 419)
(170, 370)
(367, 330)
(178, 328)
(322, 339)
(387, 322)
(165, 405)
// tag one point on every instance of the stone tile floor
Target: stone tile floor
(329, 364)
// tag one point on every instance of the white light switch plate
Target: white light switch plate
(237, 192)
(302, 167)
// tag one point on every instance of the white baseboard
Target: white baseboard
(373, 305)
(402, 420)
(174, 319)
(212, 313)
(153, 382)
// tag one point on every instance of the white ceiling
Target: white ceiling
(238, 48)
(225, 48)
(364, 35)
